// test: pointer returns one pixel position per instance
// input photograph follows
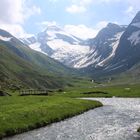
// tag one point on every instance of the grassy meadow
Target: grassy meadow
(19, 114)
(23, 113)
(108, 91)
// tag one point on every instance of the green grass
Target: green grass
(19, 114)
(117, 90)
(21, 67)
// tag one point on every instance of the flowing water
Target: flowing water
(118, 119)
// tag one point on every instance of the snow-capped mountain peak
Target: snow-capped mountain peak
(116, 47)
(58, 44)
(5, 36)
(103, 46)
(128, 51)
(74, 52)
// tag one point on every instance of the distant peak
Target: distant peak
(112, 25)
(116, 26)
(5, 33)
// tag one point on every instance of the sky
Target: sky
(82, 18)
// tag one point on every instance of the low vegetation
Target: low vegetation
(21, 67)
(130, 91)
(23, 113)
(20, 113)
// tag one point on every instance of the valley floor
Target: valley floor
(20, 114)
(23, 113)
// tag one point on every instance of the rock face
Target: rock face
(103, 46)
(128, 52)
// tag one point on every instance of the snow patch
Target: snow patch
(135, 38)
(136, 24)
(53, 34)
(5, 38)
(59, 44)
(64, 51)
(114, 46)
(36, 47)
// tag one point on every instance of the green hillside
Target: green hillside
(22, 67)
(131, 76)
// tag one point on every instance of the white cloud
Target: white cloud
(48, 23)
(81, 6)
(85, 2)
(11, 11)
(83, 31)
(133, 8)
(80, 31)
(44, 24)
(75, 9)
(108, 1)
(13, 14)
(16, 11)
(32, 11)
(78, 6)
(101, 24)
(134, 3)
(15, 29)
(130, 12)
(53, 1)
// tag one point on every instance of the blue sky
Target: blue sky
(79, 17)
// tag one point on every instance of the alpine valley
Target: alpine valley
(22, 67)
(54, 75)
(115, 49)
(54, 52)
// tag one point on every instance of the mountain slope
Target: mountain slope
(131, 76)
(103, 46)
(114, 49)
(125, 51)
(128, 51)
(58, 44)
(20, 65)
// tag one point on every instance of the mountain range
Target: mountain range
(58, 44)
(126, 54)
(114, 49)
(21, 66)
(50, 57)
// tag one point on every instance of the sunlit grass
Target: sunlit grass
(19, 114)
